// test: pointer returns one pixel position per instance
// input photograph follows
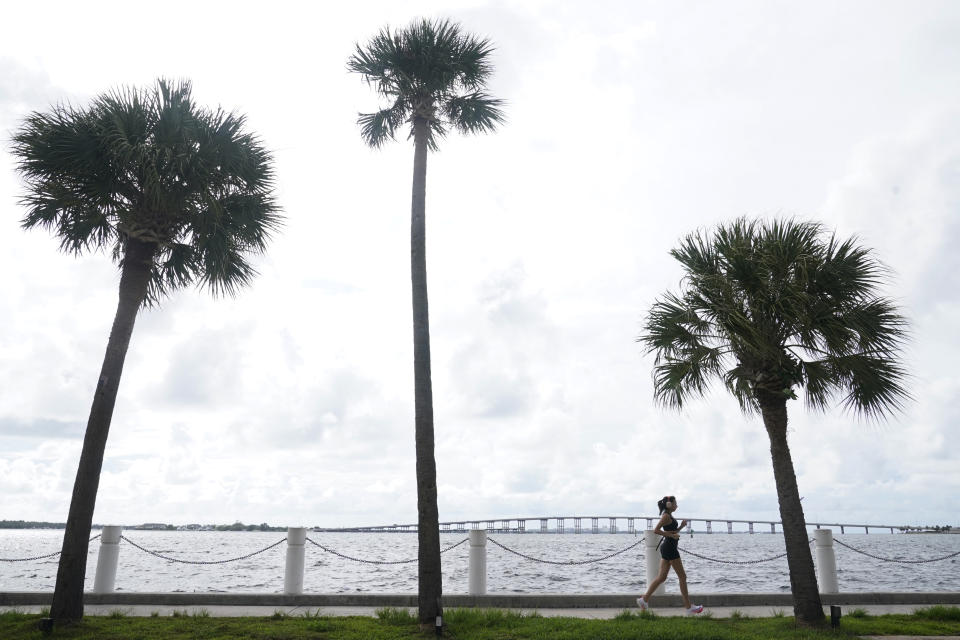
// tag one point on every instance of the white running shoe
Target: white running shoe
(642, 604)
(695, 609)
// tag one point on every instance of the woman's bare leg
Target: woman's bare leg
(682, 577)
(659, 580)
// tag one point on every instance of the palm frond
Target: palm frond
(378, 62)
(687, 356)
(821, 384)
(678, 379)
(737, 380)
(874, 384)
(474, 61)
(673, 326)
(474, 112)
(59, 158)
(796, 308)
(379, 127)
(436, 131)
(150, 164)
(697, 255)
(430, 70)
(177, 267)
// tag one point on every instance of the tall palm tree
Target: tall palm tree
(180, 193)
(433, 76)
(770, 307)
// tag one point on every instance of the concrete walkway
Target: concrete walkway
(598, 606)
(523, 601)
(604, 613)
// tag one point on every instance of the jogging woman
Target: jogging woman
(670, 555)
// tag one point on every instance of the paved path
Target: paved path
(601, 614)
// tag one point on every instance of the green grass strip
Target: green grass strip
(473, 624)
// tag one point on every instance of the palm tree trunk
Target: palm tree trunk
(807, 606)
(68, 593)
(428, 525)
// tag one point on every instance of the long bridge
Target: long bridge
(608, 524)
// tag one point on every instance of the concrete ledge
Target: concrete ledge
(495, 600)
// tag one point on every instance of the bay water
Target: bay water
(506, 573)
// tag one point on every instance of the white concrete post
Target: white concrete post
(106, 575)
(293, 576)
(478, 562)
(653, 559)
(826, 561)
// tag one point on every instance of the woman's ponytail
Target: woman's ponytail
(662, 505)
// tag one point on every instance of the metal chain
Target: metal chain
(49, 555)
(377, 562)
(737, 562)
(454, 546)
(502, 546)
(566, 562)
(740, 562)
(163, 557)
(870, 555)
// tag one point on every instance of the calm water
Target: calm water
(326, 573)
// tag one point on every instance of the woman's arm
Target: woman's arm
(664, 519)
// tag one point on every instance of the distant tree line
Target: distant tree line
(30, 524)
(236, 526)
(239, 526)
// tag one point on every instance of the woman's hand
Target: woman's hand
(674, 535)
(683, 523)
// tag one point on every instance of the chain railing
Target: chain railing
(737, 562)
(376, 562)
(181, 561)
(565, 562)
(293, 579)
(896, 560)
(43, 557)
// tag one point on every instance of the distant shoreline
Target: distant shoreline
(948, 532)
(150, 526)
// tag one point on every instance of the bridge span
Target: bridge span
(611, 524)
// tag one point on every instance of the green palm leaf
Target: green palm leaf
(796, 308)
(150, 164)
(429, 70)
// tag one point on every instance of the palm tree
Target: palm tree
(433, 76)
(769, 307)
(180, 193)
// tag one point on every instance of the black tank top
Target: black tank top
(670, 543)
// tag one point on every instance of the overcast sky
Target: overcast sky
(629, 125)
